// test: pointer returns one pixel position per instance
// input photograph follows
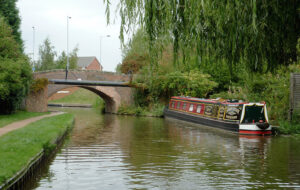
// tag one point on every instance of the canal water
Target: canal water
(124, 152)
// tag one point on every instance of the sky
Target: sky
(87, 24)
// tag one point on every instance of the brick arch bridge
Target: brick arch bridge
(113, 95)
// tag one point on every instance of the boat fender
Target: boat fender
(263, 126)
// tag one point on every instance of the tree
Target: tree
(62, 60)
(15, 71)
(47, 55)
(118, 68)
(135, 53)
(133, 63)
(9, 48)
(261, 35)
(10, 12)
(73, 58)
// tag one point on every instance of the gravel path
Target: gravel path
(19, 124)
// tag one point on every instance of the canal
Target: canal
(124, 152)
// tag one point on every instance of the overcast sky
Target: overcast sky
(88, 23)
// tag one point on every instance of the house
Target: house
(89, 63)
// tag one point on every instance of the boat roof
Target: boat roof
(218, 100)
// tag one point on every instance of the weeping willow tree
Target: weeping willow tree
(261, 35)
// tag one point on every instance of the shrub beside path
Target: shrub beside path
(23, 123)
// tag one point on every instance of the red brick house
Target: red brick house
(89, 63)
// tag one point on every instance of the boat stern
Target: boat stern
(254, 129)
(254, 120)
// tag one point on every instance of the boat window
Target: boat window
(199, 108)
(221, 112)
(173, 104)
(254, 114)
(178, 105)
(184, 106)
(191, 107)
(233, 112)
(208, 111)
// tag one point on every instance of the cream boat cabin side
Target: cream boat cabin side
(242, 117)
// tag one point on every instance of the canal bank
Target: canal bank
(24, 149)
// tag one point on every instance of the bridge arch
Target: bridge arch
(113, 95)
(110, 97)
(110, 103)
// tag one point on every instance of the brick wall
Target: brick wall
(37, 101)
(83, 74)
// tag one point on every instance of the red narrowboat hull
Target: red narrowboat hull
(241, 117)
(201, 120)
(230, 126)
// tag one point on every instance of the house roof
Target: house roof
(85, 61)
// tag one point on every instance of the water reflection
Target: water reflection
(122, 152)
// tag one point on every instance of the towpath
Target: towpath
(19, 124)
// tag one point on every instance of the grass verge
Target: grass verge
(155, 110)
(80, 96)
(18, 147)
(288, 128)
(19, 115)
(291, 127)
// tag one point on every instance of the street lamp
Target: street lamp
(67, 66)
(107, 36)
(33, 39)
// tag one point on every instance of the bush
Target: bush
(273, 88)
(289, 127)
(153, 110)
(15, 71)
(167, 84)
(14, 82)
(39, 84)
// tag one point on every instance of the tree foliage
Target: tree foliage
(15, 71)
(193, 83)
(47, 55)
(61, 62)
(167, 79)
(135, 53)
(262, 35)
(247, 47)
(48, 61)
(10, 12)
(166, 83)
(133, 63)
(9, 48)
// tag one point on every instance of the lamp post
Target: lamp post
(67, 66)
(107, 36)
(33, 39)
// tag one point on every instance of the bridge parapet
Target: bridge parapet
(83, 75)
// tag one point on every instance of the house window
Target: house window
(184, 106)
(173, 104)
(178, 105)
(191, 107)
(199, 108)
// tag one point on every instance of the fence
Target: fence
(294, 93)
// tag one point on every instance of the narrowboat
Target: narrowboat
(245, 118)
